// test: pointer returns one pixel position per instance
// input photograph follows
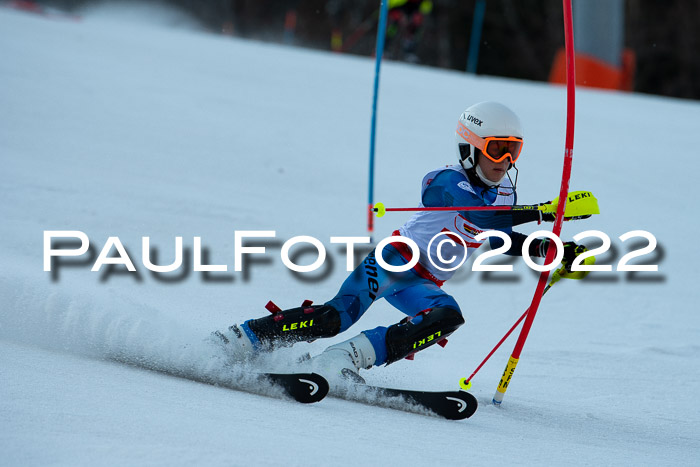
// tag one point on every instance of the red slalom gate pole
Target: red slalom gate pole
(566, 175)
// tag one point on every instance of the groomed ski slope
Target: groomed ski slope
(134, 129)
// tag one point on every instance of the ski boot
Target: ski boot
(340, 363)
(236, 344)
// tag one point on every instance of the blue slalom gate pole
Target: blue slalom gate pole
(381, 35)
(475, 40)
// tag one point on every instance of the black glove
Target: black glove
(571, 251)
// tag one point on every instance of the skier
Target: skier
(489, 140)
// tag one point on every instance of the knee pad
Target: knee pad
(412, 335)
(306, 323)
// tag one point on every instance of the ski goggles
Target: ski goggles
(495, 148)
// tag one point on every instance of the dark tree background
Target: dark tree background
(519, 39)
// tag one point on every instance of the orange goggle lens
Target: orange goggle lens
(498, 148)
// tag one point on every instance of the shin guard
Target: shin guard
(286, 327)
(412, 335)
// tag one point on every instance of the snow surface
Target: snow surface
(134, 130)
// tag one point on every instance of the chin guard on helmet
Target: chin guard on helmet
(466, 159)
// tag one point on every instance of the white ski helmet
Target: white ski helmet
(485, 119)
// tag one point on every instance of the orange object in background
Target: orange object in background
(595, 73)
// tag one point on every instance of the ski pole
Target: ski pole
(381, 210)
(579, 203)
(465, 383)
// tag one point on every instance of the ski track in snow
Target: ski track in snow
(143, 129)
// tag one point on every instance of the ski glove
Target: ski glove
(580, 205)
(548, 213)
(538, 248)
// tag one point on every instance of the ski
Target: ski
(452, 405)
(302, 387)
